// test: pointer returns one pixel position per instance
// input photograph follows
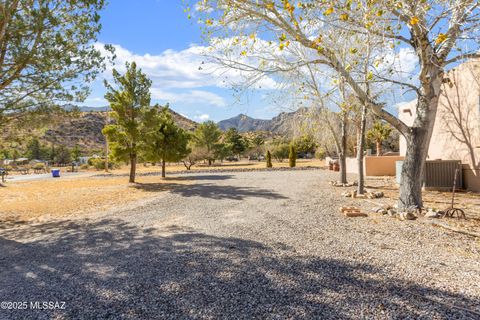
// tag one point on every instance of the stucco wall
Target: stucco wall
(375, 166)
(463, 95)
(471, 178)
(458, 117)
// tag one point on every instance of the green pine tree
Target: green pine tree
(76, 153)
(129, 101)
(236, 142)
(163, 140)
(207, 135)
(292, 157)
(34, 150)
(269, 159)
(46, 50)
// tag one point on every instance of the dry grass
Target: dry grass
(76, 195)
(219, 166)
(67, 196)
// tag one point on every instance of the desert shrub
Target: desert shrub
(84, 166)
(268, 157)
(321, 154)
(99, 164)
(39, 166)
(280, 151)
(292, 157)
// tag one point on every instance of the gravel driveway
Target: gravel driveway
(267, 245)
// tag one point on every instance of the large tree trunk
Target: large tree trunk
(163, 168)
(412, 170)
(360, 149)
(133, 167)
(343, 149)
(418, 140)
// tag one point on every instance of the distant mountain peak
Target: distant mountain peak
(281, 124)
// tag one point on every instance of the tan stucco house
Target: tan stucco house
(456, 134)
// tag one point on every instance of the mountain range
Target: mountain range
(84, 128)
(280, 124)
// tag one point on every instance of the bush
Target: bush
(280, 152)
(84, 166)
(269, 159)
(292, 157)
(99, 164)
(39, 166)
(321, 154)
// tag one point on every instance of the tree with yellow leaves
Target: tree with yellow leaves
(438, 33)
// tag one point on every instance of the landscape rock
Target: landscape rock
(340, 184)
(391, 212)
(432, 214)
(408, 215)
(375, 195)
(381, 210)
(346, 194)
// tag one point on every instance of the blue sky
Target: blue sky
(165, 44)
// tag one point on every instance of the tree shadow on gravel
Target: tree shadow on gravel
(109, 269)
(210, 190)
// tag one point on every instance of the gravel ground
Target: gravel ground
(244, 245)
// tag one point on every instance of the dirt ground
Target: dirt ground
(60, 197)
(44, 199)
(469, 202)
(51, 198)
(240, 245)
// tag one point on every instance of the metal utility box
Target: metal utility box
(438, 174)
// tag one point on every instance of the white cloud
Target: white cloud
(189, 97)
(179, 69)
(95, 102)
(203, 117)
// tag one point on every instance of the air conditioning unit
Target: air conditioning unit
(439, 174)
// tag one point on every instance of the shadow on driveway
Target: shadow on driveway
(209, 190)
(109, 269)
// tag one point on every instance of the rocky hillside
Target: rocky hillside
(82, 128)
(281, 124)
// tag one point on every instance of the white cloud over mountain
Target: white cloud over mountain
(181, 76)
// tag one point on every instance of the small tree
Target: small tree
(378, 133)
(163, 140)
(222, 150)
(207, 135)
(292, 157)
(280, 151)
(35, 150)
(15, 155)
(194, 156)
(256, 144)
(269, 159)
(129, 101)
(76, 153)
(236, 142)
(62, 156)
(305, 144)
